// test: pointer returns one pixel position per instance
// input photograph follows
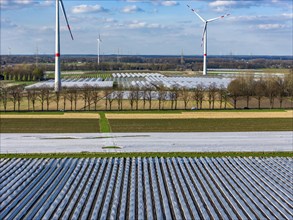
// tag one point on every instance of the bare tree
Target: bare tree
(144, 96)
(75, 91)
(259, 90)
(70, 97)
(247, 87)
(15, 93)
(212, 93)
(19, 98)
(185, 96)
(288, 80)
(107, 95)
(137, 96)
(198, 95)
(174, 94)
(86, 96)
(111, 97)
(119, 94)
(281, 90)
(131, 96)
(47, 97)
(4, 95)
(95, 96)
(64, 92)
(33, 95)
(56, 99)
(271, 90)
(28, 100)
(149, 95)
(42, 95)
(234, 89)
(223, 95)
(161, 91)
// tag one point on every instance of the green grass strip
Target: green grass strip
(104, 123)
(149, 154)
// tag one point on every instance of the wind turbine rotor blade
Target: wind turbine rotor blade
(203, 20)
(68, 26)
(203, 33)
(213, 19)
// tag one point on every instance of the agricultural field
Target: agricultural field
(147, 121)
(153, 188)
(201, 125)
(49, 125)
(80, 74)
(201, 114)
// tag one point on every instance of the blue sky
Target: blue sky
(262, 27)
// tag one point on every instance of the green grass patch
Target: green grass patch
(49, 125)
(111, 147)
(150, 154)
(18, 82)
(201, 125)
(104, 123)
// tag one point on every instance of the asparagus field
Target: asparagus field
(146, 188)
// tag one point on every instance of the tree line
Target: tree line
(23, 72)
(272, 89)
(152, 63)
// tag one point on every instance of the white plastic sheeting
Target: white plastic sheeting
(125, 80)
(146, 188)
(74, 83)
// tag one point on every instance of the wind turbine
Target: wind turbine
(99, 41)
(204, 37)
(57, 44)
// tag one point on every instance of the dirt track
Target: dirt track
(183, 115)
(65, 115)
(186, 115)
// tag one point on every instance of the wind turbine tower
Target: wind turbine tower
(57, 45)
(99, 41)
(204, 42)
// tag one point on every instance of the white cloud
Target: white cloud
(47, 3)
(6, 23)
(16, 4)
(222, 3)
(23, 2)
(287, 15)
(79, 9)
(131, 9)
(142, 24)
(270, 26)
(169, 3)
(137, 24)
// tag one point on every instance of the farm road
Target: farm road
(148, 142)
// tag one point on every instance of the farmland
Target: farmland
(48, 125)
(69, 125)
(200, 125)
(153, 188)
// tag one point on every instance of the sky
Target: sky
(133, 27)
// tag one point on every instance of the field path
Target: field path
(213, 114)
(65, 115)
